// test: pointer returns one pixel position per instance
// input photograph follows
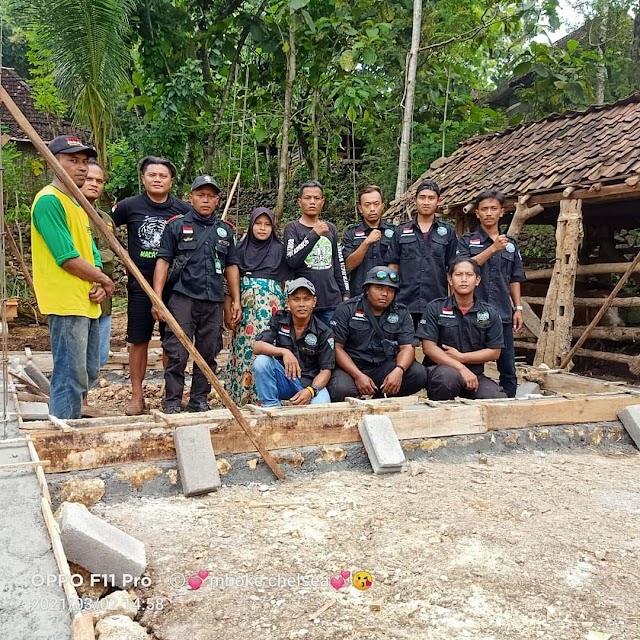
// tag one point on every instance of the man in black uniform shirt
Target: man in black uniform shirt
(374, 343)
(294, 356)
(459, 334)
(145, 216)
(421, 251)
(201, 251)
(365, 245)
(313, 251)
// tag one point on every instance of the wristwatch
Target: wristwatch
(315, 388)
(518, 307)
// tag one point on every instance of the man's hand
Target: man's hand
(500, 243)
(97, 293)
(453, 352)
(157, 314)
(518, 321)
(373, 237)
(321, 227)
(302, 397)
(470, 379)
(291, 365)
(365, 385)
(236, 313)
(391, 384)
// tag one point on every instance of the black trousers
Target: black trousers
(445, 383)
(199, 319)
(342, 384)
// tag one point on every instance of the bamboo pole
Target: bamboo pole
(603, 309)
(230, 197)
(75, 192)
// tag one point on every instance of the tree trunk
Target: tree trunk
(288, 96)
(315, 153)
(409, 96)
(635, 50)
(601, 69)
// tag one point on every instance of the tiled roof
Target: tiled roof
(599, 145)
(48, 127)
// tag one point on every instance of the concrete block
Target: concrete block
(196, 460)
(528, 388)
(37, 376)
(630, 418)
(382, 444)
(33, 410)
(100, 547)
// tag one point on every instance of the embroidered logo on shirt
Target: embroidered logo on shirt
(360, 234)
(359, 315)
(388, 233)
(407, 230)
(222, 232)
(285, 328)
(187, 234)
(331, 343)
(483, 316)
(475, 241)
(447, 312)
(442, 231)
(311, 339)
(511, 248)
(392, 318)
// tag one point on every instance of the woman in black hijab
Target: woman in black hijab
(263, 270)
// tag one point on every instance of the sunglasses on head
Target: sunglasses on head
(384, 275)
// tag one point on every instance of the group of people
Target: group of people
(314, 319)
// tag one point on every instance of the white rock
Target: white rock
(120, 628)
(118, 603)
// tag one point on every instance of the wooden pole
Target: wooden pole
(18, 256)
(75, 192)
(590, 302)
(230, 197)
(603, 309)
(583, 270)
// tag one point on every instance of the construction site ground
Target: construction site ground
(525, 545)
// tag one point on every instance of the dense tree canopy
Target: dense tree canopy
(213, 85)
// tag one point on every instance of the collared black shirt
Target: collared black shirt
(353, 330)
(423, 263)
(203, 275)
(314, 349)
(444, 323)
(376, 253)
(497, 273)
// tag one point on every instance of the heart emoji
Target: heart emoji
(203, 574)
(336, 582)
(345, 574)
(195, 582)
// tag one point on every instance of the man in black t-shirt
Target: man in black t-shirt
(313, 252)
(145, 216)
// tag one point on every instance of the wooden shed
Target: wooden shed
(579, 171)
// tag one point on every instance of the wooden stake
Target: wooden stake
(24, 465)
(234, 186)
(117, 248)
(603, 309)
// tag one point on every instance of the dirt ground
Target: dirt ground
(527, 545)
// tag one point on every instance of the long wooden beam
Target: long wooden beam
(91, 447)
(119, 250)
(629, 334)
(590, 302)
(601, 268)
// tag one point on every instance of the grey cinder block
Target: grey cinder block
(382, 444)
(37, 376)
(528, 388)
(630, 418)
(196, 460)
(33, 410)
(99, 547)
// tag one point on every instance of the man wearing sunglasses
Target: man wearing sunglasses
(374, 339)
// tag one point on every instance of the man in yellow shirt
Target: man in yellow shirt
(68, 279)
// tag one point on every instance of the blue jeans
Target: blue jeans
(75, 343)
(507, 362)
(324, 315)
(272, 385)
(105, 338)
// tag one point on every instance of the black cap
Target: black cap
(205, 181)
(70, 144)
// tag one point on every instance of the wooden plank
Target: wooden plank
(590, 302)
(554, 341)
(629, 334)
(293, 427)
(601, 268)
(563, 383)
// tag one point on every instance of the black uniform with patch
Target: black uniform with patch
(313, 350)
(479, 328)
(196, 300)
(376, 253)
(374, 354)
(423, 262)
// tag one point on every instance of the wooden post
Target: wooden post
(557, 316)
(522, 214)
(603, 309)
(75, 192)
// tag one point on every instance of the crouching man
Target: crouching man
(197, 253)
(294, 356)
(374, 342)
(459, 334)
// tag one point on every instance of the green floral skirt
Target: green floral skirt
(260, 299)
